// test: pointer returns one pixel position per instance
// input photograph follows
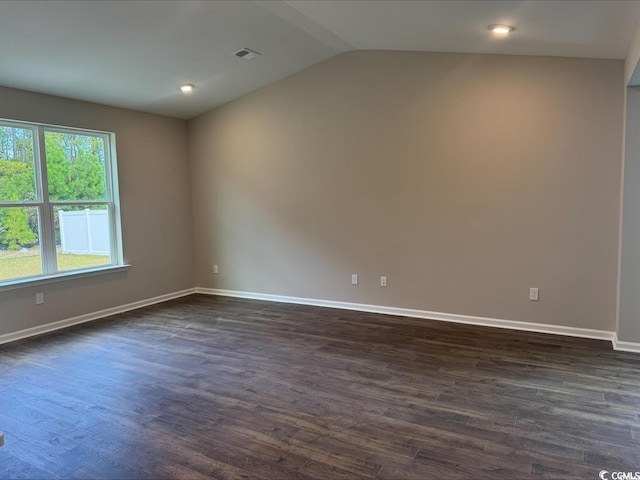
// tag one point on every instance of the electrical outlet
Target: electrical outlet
(533, 294)
(39, 298)
(215, 269)
(383, 281)
(354, 279)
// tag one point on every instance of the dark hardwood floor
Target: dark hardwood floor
(207, 387)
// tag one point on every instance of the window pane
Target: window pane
(82, 236)
(17, 178)
(75, 166)
(19, 243)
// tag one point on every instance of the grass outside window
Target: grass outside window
(26, 262)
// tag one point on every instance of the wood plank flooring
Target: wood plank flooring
(208, 387)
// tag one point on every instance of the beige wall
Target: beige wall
(628, 312)
(466, 179)
(632, 59)
(156, 211)
(628, 328)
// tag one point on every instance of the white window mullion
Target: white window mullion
(112, 197)
(47, 232)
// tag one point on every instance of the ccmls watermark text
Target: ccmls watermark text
(606, 475)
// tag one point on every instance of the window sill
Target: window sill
(61, 277)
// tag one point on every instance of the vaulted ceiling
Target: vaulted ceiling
(135, 54)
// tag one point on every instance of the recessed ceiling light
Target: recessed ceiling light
(501, 30)
(187, 88)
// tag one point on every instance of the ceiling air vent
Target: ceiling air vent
(246, 54)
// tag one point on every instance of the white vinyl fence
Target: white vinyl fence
(85, 232)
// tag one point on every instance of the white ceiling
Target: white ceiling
(134, 54)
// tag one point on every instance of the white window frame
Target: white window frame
(46, 206)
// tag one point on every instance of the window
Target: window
(58, 202)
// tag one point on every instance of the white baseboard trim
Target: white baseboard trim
(625, 346)
(50, 327)
(407, 312)
(360, 307)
